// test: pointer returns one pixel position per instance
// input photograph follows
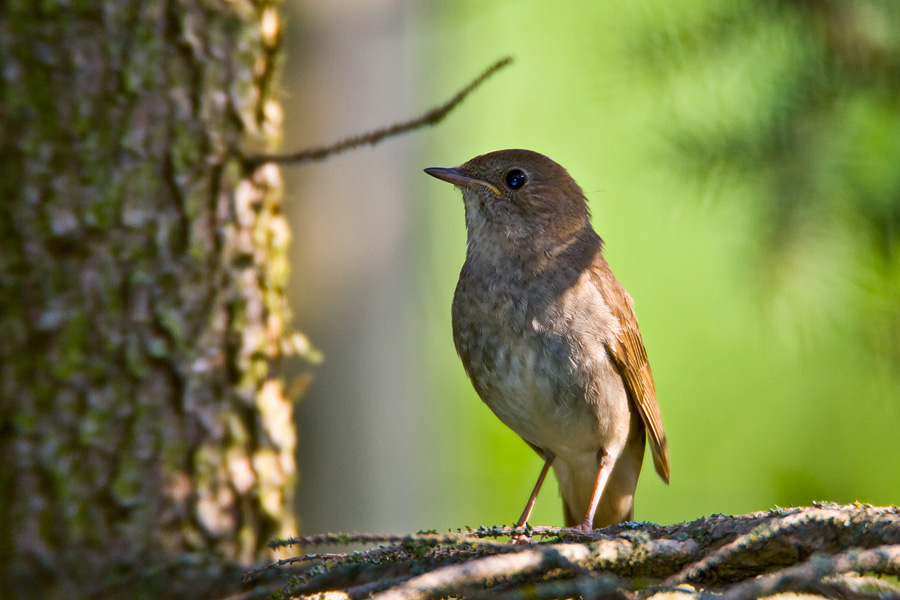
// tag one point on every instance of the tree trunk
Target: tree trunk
(142, 314)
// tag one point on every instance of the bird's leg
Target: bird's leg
(548, 460)
(604, 470)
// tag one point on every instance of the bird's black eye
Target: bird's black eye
(516, 179)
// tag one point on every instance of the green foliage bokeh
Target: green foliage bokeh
(746, 183)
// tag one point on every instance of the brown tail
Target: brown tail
(617, 502)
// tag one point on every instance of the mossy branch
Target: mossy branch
(825, 549)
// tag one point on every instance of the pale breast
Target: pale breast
(538, 361)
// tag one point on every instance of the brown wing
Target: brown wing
(630, 357)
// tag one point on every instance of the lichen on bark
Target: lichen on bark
(142, 275)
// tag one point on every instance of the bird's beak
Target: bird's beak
(458, 178)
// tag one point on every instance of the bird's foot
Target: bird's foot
(584, 527)
(522, 538)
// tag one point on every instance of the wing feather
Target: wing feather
(630, 357)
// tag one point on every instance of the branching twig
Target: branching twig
(759, 535)
(798, 532)
(432, 117)
(883, 559)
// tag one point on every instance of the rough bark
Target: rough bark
(826, 549)
(142, 313)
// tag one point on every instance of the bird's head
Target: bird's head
(518, 199)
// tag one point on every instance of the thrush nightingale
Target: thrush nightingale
(549, 337)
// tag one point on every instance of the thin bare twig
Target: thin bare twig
(432, 117)
(428, 538)
(250, 575)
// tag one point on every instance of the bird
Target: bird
(548, 336)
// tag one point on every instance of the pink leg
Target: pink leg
(603, 472)
(548, 460)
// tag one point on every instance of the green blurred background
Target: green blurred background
(742, 162)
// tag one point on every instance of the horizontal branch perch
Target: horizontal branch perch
(741, 556)
(473, 574)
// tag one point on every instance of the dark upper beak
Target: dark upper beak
(458, 178)
(454, 175)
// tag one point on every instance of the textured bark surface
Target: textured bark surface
(826, 550)
(142, 313)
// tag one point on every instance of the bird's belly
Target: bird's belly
(534, 419)
(549, 400)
